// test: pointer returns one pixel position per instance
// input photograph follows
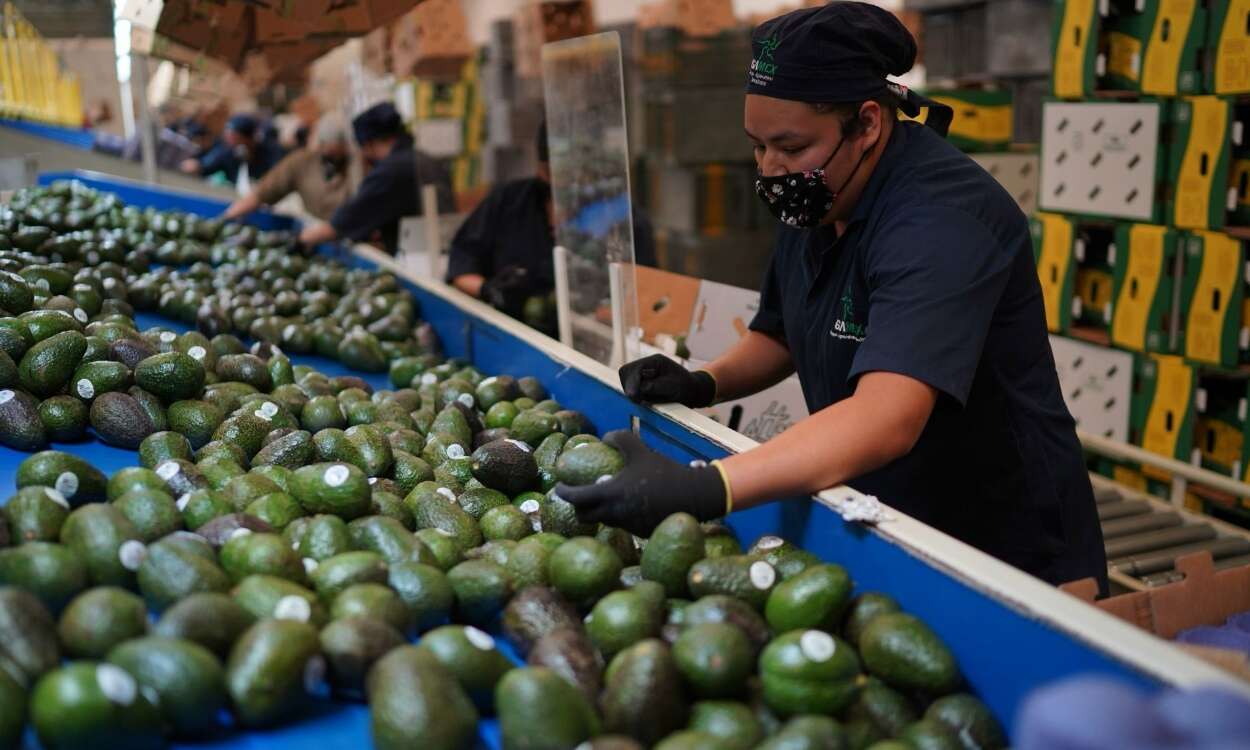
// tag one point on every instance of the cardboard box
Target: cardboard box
(1142, 315)
(1053, 238)
(431, 41)
(538, 23)
(1202, 140)
(1075, 32)
(1097, 385)
(1228, 48)
(1155, 47)
(1214, 289)
(983, 119)
(1163, 409)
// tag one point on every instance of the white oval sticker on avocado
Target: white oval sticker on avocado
(530, 506)
(55, 496)
(310, 565)
(817, 645)
(455, 450)
(429, 379)
(67, 483)
(479, 639)
(239, 532)
(168, 337)
(80, 314)
(85, 388)
(451, 496)
(6, 396)
(116, 684)
(292, 607)
(197, 352)
(518, 443)
(467, 400)
(770, 542)
(336, 475)
(168, 470)
(763, 575)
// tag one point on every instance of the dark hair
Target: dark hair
(848, 113)
(544, 152)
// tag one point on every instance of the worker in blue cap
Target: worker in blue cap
(903, 292)
(245, 141)
(391, 188)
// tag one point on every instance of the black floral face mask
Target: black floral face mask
(798, 199)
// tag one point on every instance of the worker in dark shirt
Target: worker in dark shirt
(903, 292)
(502, 252)
(391, 188)
(245, 141)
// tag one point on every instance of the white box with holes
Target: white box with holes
(1101, 159)
(1097, 385)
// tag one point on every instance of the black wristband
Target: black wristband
(703, 389)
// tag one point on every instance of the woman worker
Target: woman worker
(903, 291)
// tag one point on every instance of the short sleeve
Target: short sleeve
(768, 319)
(935, 278)
(473, 246)
(375, 204)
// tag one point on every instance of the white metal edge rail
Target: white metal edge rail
(1025, 594)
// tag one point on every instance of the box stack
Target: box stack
(431, 41)
(538, 23)
(448, 121)
(1140, 187)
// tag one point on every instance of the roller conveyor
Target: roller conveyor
(1110, 511)
(1165, 559)
(1122, 527)
(1151, 541)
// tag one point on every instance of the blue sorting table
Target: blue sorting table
(1010, 632)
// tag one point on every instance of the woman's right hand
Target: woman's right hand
(659, 380)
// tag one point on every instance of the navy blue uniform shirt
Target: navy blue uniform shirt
(389, 192)
(511, 228)
(264, 155)
(934, 279)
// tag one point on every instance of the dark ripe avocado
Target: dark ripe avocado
(130, 351)
(245, 368)
(535, 612)
(644, 697)
(8, 370)
(119, 420)
(213, 620)
(46, 367)
(569, 653)
(151, 406)
(15, 293)
(352, 645)
(505, 465)
(20, 425)
(171, 376)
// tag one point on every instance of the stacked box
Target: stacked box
(537, 23)
(1145, 261)
(1202, 140)
(1220, 427)
(1213, 295)
(1155, 46)
(1163, 411)
(1228, 45)
(1239, 167)
(1075, 34)
(1017, 173)
(1053, 237)
(983, 119)
(671, 131)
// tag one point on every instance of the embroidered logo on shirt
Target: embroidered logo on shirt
(845, 327)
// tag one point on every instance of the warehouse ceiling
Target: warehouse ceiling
(69, 18)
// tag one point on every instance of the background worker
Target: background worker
(317, 173)
(391, 188)
(903, 291)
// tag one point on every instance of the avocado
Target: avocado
(930, 734)
(52, 572)
(970, 720)
(120, 420)
(241, 491)
(388, 538)
(716, 659)
(747, 578)
(245, 368)
(15, 293)
(272, 669)
(588, 463)
(584, 569)
(808, 672)
(425, 591)
(64, 419)
(471, 656)
(733, 724)
(246, 554)
(35, 514)
(107, 543)
(434, 511)
(532, 425)
(644, 697)
(328, 444)
(482, 589)
(12, 711)
(200, 507)
(372, 600)
(446, 550)
(46, 367)
(410, 470)
(333, 575)
(415, 702)
(163, 446)
(500, 415)
(322, 412)
(540, 711)
(352, 645)
(323, 537)
(85, 704)
(99, 619)
(367, 448)
(505, 465)
(905, 653)
(21, 427)
(278, 509)
(621, 619)
(290, 451)
(219, 530)
(506, 522)
(886, 709)
(621, 542)
(863, 609)
(476, 502)
(674, 546)
(186, 677)
(153, 513)
(212, 620)
(335, 488)
(132, 478)
(28, 643)
(815, 598)
(690, 739)
(272, 597)
(361, 351)
(560, 517)
(151, 406)
(807, 733)
(98, 376)
(170, 573)
(195, 420)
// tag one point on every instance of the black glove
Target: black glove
(649, 489)
(659, 380)
(507, 290)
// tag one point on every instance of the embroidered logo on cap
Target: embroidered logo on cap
(764, 67)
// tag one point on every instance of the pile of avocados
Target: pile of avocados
(288, 538)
